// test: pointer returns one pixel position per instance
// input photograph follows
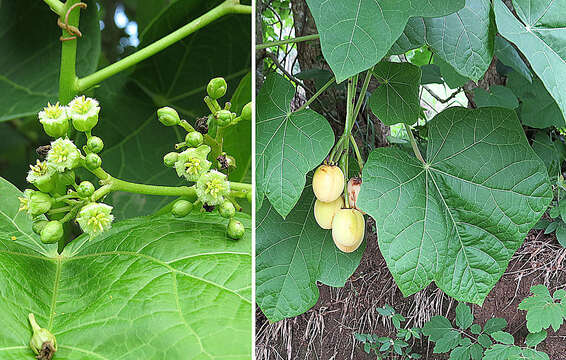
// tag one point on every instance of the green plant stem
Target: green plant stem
(362, 97)
(317, 94)
(56, 6)
(346, 135)
(288, 41)
(414, 144)
(357, 152)
(227, 7)
(68, 77)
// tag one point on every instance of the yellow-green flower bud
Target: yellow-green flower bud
(168, 116)
(84, 113)
(227, 209)
(224, 117)
(181, 208)
(194, 139)
(170, 159)
(247, 112)
(217, 88)
(52, 232)
(95, 144)
(235, 229)
(54, 120)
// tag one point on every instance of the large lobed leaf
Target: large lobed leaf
(355, 35)
(288, 144)
(458, 219)
(151, 288)
(31, 55)
(292, 254)
(540, 34)
(135, 141)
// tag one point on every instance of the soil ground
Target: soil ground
(326, 331)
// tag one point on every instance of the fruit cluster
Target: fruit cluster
(330, 212)
(58, 197)
(192, 163)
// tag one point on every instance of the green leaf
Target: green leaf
(355, 35)
(507, 54)
(464, 316)
(476, 351)
(551, 227)
(135, 142)
(288, 144)
(540, 37)
(538, 109)
(503, 337)
(460, 353)
(548, 151)
(458, 219)
(484, 340)
(502, 352)
(449, 74)
(151, 288)
(292, 255)
(464, 39)
(437, 327)
(475, 329)
(431, 74)
(542, 311)
(561, 234)
(498, 96)
(494, 324)
(533, 339)
(447, 342)
(396, 100)
(31, 55)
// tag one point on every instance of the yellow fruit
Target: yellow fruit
(328, 183)
(348, 228)
(324, 211)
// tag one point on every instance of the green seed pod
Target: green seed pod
(227, 209)
(54, 120)
(85, 189)
(181, 208)
(224, 117)
(235, 229)
(93, 161)
(170, 159)
(38, 226)
(39, 203)
(52, 232)
(217, 88)
(42, 341)
(84, 113)
(168, 116)
(194, 139)
(95, 144)
(247, 112)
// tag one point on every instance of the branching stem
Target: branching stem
(56, 6)
(226, 8)
(414, 144)
(288, 41)
(317, 94)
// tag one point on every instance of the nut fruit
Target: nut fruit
(328, 183)
(348, 228)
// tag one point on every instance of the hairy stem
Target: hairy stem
(68, 77)
(288, 41)
(227, 7)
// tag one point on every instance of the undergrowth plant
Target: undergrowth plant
(465, 339)
(132, 238)
(457, 195)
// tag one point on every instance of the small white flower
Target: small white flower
(212, 187)
(63, 155)
(95, 218)
(54, 120)
(84, 113)
(192, 163)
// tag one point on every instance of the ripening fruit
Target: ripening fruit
(324, 211)
(328, 183)
(235, 229)
(348, 228)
